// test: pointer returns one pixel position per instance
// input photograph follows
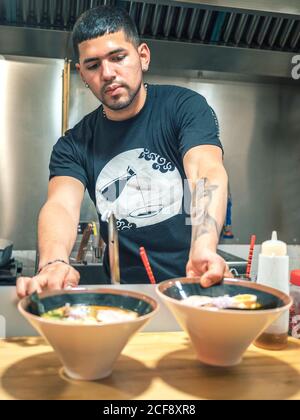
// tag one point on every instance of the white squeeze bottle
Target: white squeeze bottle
(273, 271)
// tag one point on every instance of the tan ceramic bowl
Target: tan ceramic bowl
(88, 352)
(220, 337)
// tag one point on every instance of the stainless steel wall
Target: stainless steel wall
(30, 121)
(260, 128)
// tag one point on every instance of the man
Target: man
(134, 154)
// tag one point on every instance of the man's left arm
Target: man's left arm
(209, 185)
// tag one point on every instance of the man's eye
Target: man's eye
(118, 58)
(93, 67)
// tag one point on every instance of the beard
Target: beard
(120, 102)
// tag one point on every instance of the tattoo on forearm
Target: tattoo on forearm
(202, 222)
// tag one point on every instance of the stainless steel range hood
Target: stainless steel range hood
(257, 37)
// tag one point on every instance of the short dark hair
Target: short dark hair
(102, 20)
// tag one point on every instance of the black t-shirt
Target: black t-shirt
(135, 169)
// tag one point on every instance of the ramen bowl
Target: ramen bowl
(88, 351)
(221, 336)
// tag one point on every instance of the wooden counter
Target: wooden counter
(152, 366)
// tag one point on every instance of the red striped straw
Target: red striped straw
(147, 266)
(250, 256)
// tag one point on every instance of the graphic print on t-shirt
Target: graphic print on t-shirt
(141, 188)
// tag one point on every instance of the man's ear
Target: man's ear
(78, 68)
(145, 56)
(77, 65)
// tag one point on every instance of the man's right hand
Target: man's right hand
(56, 276)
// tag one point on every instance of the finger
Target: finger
(22, 283)
(72, 278)
(195, 269)
(34, 286)
(74, 275)
(214, 275)
(190, 273)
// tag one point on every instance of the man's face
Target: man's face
(113, 67)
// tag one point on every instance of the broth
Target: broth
(88, 314)
(242, 301)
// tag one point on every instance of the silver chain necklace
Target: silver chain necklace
(104, 113)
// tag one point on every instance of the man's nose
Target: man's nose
(108, 71)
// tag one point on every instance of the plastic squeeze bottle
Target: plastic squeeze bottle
(273, 271)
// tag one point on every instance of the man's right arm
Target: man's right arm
(57, 231)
